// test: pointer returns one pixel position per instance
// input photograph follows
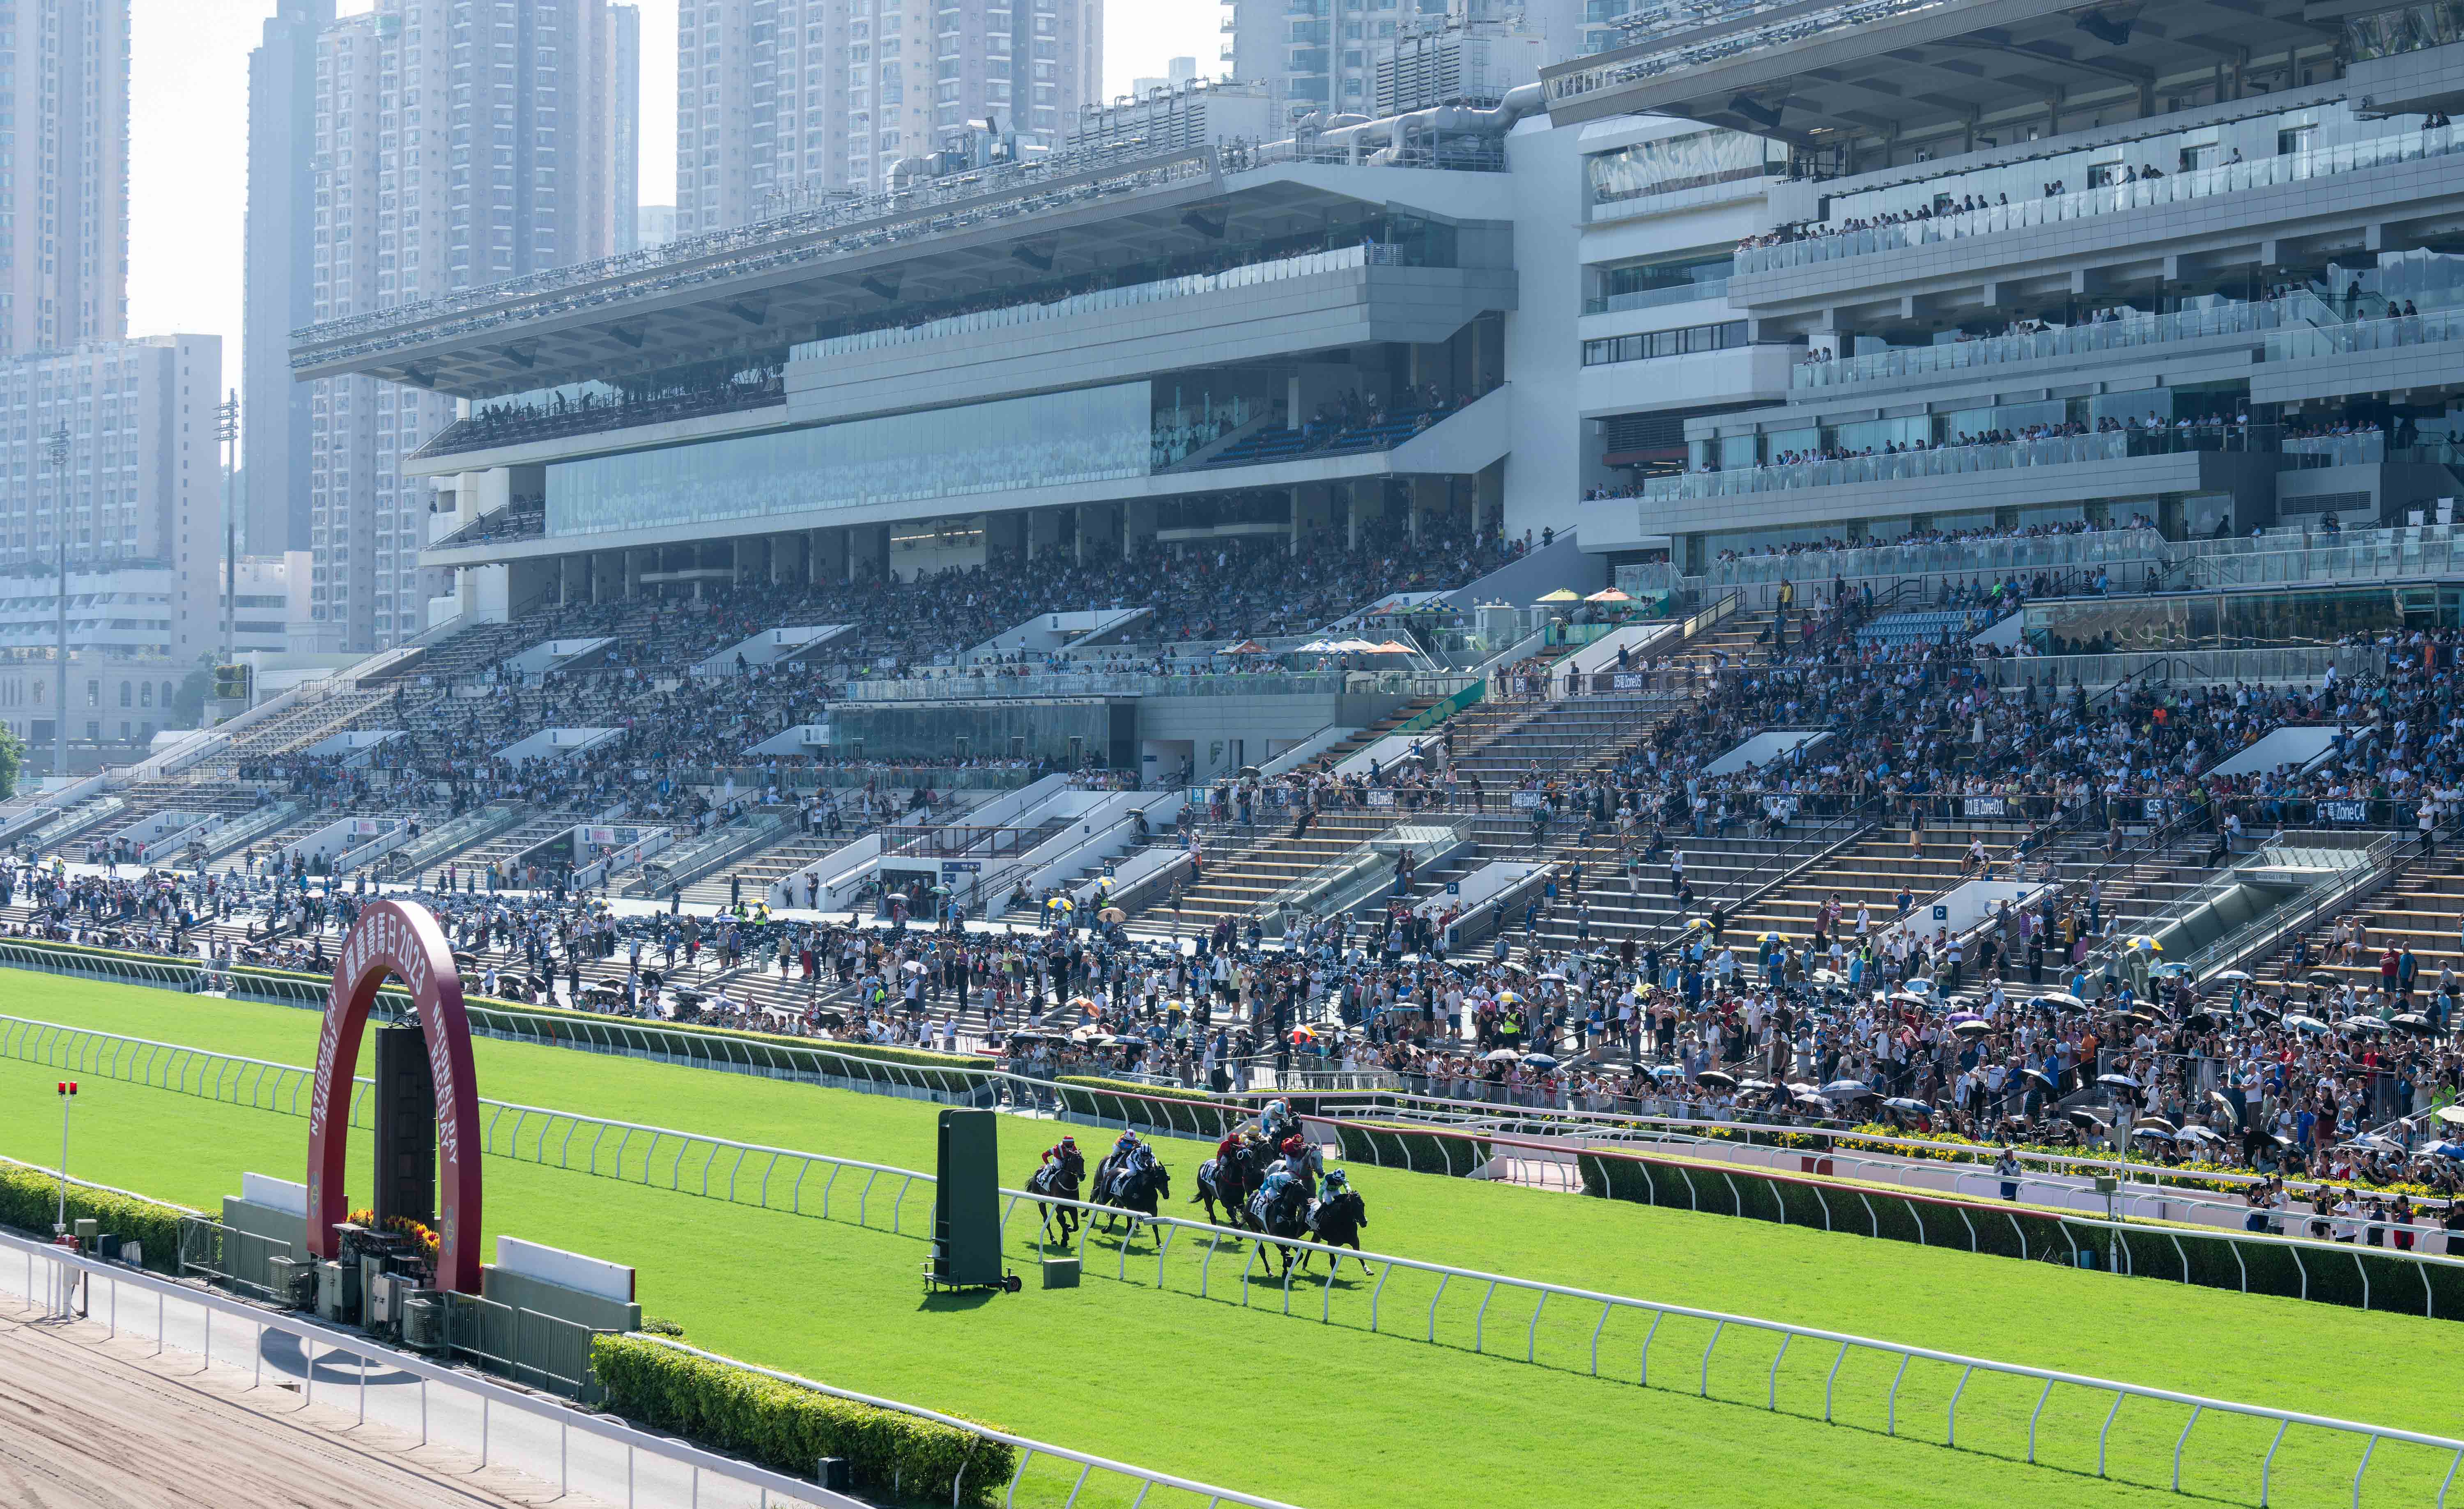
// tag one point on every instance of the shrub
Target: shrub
(1167, 1092)
(1149, 1105)
(788, 1428)
(29, 1201)
(1418, 1150)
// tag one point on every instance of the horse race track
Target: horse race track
(1325, 1415)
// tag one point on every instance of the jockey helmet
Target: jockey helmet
(1334, 1179)
(1293, 1146)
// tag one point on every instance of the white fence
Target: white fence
(63, 1284)
(753, 1174)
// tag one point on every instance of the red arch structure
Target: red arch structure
(402, 941)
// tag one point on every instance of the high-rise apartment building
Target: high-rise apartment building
(456, 143)
(779, 100)
(1320, 56)
(626, 37)
(280, 297)
(64, 147)
(124, 460)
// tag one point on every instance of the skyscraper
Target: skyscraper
(456, 143)
(280, 297)
(755, 80)
(1320, 56)
(65, 236)
(778, 100)
(136, 488)
(626, 35)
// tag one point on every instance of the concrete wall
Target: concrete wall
(1224, 734)
(1320, 311)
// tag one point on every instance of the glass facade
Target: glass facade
(1050, 440)
(2211, 621)
(1697, 160)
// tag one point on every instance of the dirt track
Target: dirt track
(86, 1422)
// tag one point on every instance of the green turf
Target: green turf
(1178, 1382)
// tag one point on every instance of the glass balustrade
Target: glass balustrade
(1256, 275)
(1955, 460)
(2145, 193)
(2111, 335)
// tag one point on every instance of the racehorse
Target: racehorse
(1059, 1178)
(1336, 1221)
(1281, 1210)
(1132, 1180)
(1229, 1181)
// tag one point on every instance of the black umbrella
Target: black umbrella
(1717, 1080)
(2043, 1080)
(2083, 1121)
(2200, 1021)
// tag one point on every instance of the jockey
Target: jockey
(1336, 1184)
(1277, 1122)
(1230, 1147)
(1065, 1151)
(1275, 1190)
(1299, 1162)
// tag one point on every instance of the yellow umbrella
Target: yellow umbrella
(2146, 944)
(1561, 595)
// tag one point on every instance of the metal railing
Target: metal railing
(2234, 950)
(721, 846)
(2144, 193)
(56, 1279)
(1975, 458)
(1245, 277)
(1576, 1348)
(2235, 319)
(1381, 1318)
(969, 683)
(1028, 1449)
(492, 820)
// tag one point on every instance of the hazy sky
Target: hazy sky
(188, 130)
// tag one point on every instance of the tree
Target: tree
(12, 760)
(188, 706)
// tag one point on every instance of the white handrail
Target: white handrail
(1028, 1446)
(1723, 1320)
(564, 1417)
(1608, 1302)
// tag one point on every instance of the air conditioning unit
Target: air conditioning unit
(295, 1282)
(338, 1292)
(423, 1320)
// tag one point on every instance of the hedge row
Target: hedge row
(790, 1430)
(560, 1015)
(31, 1201)
(1416, 1149)
(2357, 1275)
(1134, 1104)
(560, 1021)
